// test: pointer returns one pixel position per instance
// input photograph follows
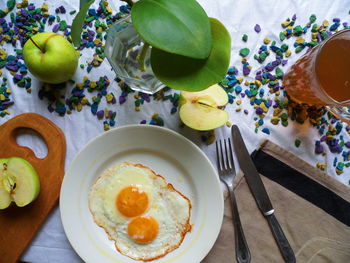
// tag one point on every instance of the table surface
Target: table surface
(240, 17)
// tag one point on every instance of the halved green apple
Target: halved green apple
(19, 182)
(202, 110)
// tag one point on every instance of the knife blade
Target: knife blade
(261, 197)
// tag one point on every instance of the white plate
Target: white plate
(169, 154)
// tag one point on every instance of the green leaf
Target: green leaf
(78, 22)
(183, 73)
(176, 26)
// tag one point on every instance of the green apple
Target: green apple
(202, 110)
(19, 182)
(50, 57)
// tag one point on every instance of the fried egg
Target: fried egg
(144, 214)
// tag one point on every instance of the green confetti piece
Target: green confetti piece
(297, 143)
(282, 36)
(284, 47)
(11, 4)
(312, 18)
(284, 116)
(299, 48)
(245, 38)
(298, 30)
(244, 52)
(279, 73)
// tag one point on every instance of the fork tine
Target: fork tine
(217, 155)
(226, 153)
(231, 153)
(223, 166)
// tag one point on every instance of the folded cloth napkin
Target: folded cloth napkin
(312, 208)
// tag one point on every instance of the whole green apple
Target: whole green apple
(50, 57)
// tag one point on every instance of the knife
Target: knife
(260, 195)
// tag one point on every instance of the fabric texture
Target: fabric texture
(51, 244)
(315, 234)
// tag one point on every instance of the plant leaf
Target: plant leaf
(184, 73)
(176, 26)
(78, 22)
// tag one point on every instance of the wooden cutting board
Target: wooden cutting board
(18, 225)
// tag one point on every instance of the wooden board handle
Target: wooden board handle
(44, 127)
(18, 225)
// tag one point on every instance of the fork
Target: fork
(226, 170)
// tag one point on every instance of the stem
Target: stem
(35, 43)
(141, 57)
(129, 2)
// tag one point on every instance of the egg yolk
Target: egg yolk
(143, 230)
(132, 201)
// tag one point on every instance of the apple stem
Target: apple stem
(35, 43)
(129, 2)
(141, 57)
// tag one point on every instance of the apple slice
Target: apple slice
(202, 110)
(19, 182)
(5, 198)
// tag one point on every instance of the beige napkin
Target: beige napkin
(315, 235)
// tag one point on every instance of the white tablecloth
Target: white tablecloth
(240, 17)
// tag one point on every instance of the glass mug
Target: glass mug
(321, 77)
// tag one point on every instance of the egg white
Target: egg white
(170, 208)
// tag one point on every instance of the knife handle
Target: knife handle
(242, 250)
(282, 242)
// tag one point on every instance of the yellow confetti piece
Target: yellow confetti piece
(97, 41)
(137, 108)
(84, 101)
(263, 106)
(238, 109)
(79, 107)
(238, 102)
(285, 24)
(240, 79)
(2, 97)
(106, 127)
(277, 111)
(258, 83)
(85, 78)
(109, 97)
(106, 113)
(300, 40)
(45, 7)
(288, 53)
(92, 84)
(275, 120)
(228, 124)
(267, 41)
(325, 23)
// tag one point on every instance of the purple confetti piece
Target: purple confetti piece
(122, 99)
(100, 114)
(319, 149)
(55, 28)
(257, 28)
